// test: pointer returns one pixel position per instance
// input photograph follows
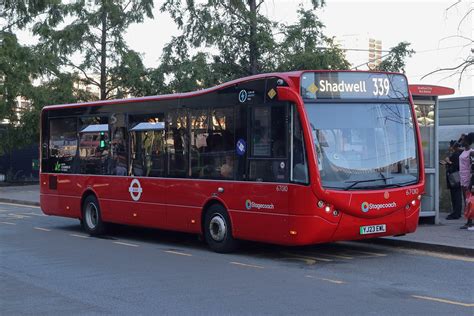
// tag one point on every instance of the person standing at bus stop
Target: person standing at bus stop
(453, 179)
(465, 175)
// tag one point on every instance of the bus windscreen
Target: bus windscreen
(353, 85)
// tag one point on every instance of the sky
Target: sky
(432, 29)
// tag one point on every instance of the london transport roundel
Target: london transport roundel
(135, 190)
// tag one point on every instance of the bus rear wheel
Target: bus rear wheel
(91, 217)
(218, 230)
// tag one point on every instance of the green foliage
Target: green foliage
(20, 66)
(18, 13)
(233, 33)
(396, 60)
(95, 31)
(233, 39)
(304, 46)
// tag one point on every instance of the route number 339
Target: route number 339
(381, 86)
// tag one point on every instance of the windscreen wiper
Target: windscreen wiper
(355, 182)
(382, 186)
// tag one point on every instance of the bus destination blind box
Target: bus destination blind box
(353, 85)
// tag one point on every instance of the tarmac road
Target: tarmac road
(49, 266)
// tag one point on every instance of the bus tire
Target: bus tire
(91, 217)
(218, 230)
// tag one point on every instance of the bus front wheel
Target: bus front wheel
(91, 217)
(218, 230)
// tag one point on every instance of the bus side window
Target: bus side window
(147, 134)
(118, 145)
(177, 143)
(299, 164)
(93, 145)
(212, 143)
(62, 145)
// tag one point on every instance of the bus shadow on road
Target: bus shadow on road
(330, 253)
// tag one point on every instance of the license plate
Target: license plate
(373, 229)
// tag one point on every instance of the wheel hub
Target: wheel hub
(92, 216)
(217, 228)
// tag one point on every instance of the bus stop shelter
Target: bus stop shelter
(425, 98)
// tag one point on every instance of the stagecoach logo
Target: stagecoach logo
(243, 96)
(250, 205)
(365, 207)
(135, 190)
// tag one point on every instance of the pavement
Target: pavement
(444, 237)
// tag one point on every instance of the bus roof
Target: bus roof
(292, 78)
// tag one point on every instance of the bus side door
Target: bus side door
(262, 201)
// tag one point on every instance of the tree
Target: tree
(395, 60)
(236, 29)
(232, 39)
(95, 31)
(29, 73)
(306, 47)
(16, 14)
(468, 61)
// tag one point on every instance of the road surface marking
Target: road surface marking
(15, 204)
(332, 255)
(307, 257)
(327, 280)
(43, 229)
(31, 213)
(246, 265)
(442, 300)
(80, 236)
(439, 255)
(372, 254)
(178, 253)
(18, 216)
(125, 244)
(7, 223)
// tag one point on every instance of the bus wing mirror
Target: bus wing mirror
(287, 94)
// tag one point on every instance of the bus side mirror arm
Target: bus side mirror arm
(287, 94)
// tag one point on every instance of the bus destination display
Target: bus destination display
(353, 85)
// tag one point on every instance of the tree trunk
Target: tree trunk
(253, 50)
(103, 55)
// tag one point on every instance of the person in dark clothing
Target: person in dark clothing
(452, 165)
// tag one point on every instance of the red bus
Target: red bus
(291, 158)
